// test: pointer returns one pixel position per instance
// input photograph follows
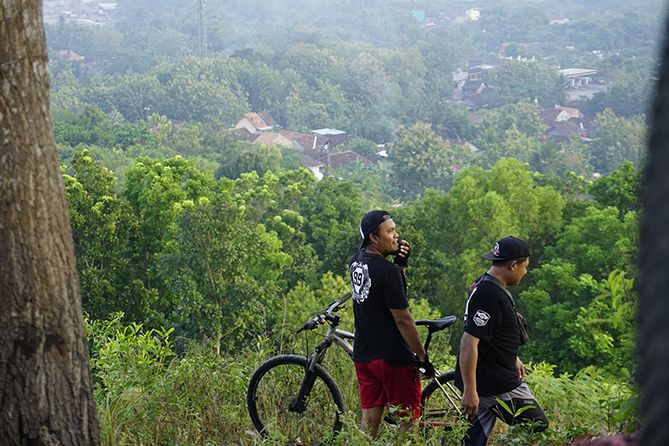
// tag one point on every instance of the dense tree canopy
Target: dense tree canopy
(525, 81)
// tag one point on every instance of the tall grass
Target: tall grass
(147, 395)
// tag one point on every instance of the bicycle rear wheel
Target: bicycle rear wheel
(273, 388)
(440, 409)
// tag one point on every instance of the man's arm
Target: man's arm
(520, 367)
(469, 354)
(408, 330)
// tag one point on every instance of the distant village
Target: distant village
(561, 123)
(317, 149)
(83, 12)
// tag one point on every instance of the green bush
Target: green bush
(588, 403)
(146, 395)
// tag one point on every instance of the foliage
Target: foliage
(450, 120)
(525, 81)
(238, 157)
(621, 189)
(230, 265)
(585, 403)
(180, 249)
(617, 140)
(420, 159)
(512, 130)
(145, 396)
(480, 208)
(332, 214)
(215, 274)
(629, 93)
(595, 318)
(94, 127)
(102, 226)
(126, 356)
(603, 332)
(199, 397)
(599, 241)
(178, 224)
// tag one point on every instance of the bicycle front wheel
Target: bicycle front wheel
(441, 408)
(275, 411)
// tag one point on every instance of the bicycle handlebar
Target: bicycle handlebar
(336, 305)
(325, 315)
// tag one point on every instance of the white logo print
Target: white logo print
(481, 318)
(360, 281)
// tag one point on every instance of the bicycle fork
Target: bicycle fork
(299, 403)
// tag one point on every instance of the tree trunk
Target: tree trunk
(653, 329)
(45, 385)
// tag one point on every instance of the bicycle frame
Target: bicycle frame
(336, 336)
(333, 335)
(306, 391)
(341, 338)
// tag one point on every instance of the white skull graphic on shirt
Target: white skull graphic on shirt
(360, 281)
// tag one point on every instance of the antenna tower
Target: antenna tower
(201, 32)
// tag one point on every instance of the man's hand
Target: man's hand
(425, 367)
(402, 256)
(520, 368)
(470, 403)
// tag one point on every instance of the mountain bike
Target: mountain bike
(295, 398)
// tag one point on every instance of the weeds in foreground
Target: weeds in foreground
(146, 395)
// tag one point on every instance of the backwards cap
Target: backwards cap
(370, 221)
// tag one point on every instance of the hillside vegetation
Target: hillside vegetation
(200, 253)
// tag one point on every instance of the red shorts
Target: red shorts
(382, 385)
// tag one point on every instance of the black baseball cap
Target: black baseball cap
(508, 248)
(370, 221)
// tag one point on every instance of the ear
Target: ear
(373, 238)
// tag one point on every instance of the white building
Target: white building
(473, 14)
(578, 77)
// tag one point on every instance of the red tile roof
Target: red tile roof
(306, 142)
(260, 120)
(340, 159)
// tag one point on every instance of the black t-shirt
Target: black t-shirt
(490, 316)
(377, 285)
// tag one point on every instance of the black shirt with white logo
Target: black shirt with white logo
(490, 316)
(377, 286)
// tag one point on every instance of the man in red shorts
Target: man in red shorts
(387, 350)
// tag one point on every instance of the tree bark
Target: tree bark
(45, 384)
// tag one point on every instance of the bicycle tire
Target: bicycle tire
(272, 388)
(437, 410)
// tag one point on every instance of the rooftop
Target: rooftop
(261, 121)
(577, 72)
(326, 131)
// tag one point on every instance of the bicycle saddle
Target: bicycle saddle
(437, 324)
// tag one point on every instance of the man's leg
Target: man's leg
(371, 419)
(481, 426)
(521, 398)
(372, 396)
(402, 388)
(489, 409)
(534, 417)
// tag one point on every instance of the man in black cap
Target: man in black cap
(387, 350)
(488, 369)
